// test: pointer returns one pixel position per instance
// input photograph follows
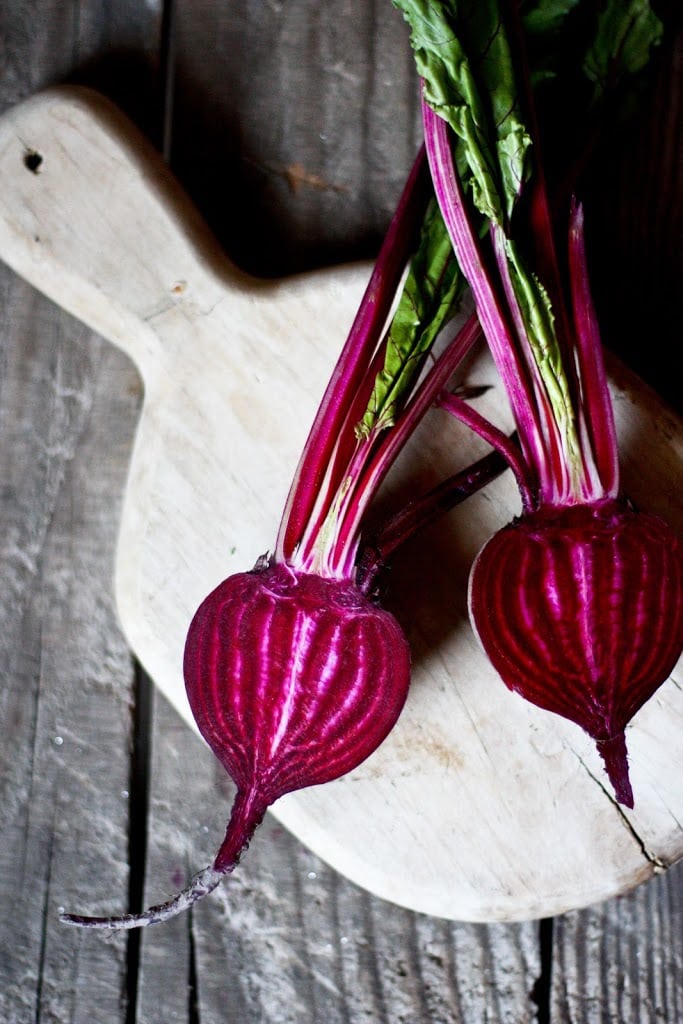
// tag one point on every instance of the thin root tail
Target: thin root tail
(200, 886)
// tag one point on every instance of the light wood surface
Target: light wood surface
(478, 807)
(131, 801)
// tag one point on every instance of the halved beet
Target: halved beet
(580, 610)
(294, 679)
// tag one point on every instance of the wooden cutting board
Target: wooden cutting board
(478, 806)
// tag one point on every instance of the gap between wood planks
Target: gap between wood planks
(540, 994)
(139, 785)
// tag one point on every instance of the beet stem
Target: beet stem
(422, 511)
(246, 815)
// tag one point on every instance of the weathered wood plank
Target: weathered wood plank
(112, 45)
(295, 125)
(68, 406)
(66, 672)
(622, 960)
(182, 779)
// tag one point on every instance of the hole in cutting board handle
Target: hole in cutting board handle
(33, 161)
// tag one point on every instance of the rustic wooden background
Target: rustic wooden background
(291, 124)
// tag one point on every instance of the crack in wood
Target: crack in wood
(652, 858)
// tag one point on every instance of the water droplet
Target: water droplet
(343, 940)
(125, 794)
(311, 874)
(58, 740)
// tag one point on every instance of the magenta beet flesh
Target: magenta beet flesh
(580, 611)
(293, 679)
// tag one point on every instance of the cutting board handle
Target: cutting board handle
(78, 181)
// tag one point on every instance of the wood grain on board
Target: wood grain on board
(384, 964)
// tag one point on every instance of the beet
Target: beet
(580, 610)
(294, 679)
